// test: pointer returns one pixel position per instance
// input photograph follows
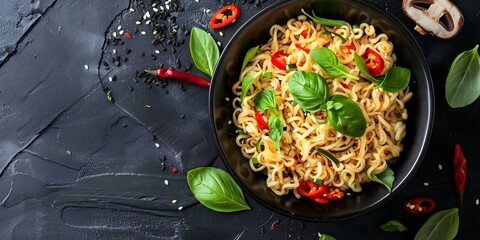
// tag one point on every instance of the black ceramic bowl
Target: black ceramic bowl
(420, 108)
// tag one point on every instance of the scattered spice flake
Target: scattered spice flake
(109, 95)
(86, 66)
(143, 32)
(440, 167)
(157, 145)
(227, 99)
(425, 184)
(174, 201)
(119, 27)
(229, 122)
(166, 182)
(70, 153)
(128, 35)
(180, 208)
(131, 10)
(174, 170)
(275, 224)
(147, 106)
(221, 33)
(219, 44)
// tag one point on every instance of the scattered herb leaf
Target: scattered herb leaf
(324, 236)
(324, 21)
(249, 55)
(247, 82)
(275, 124)
(441, 225)
(386, 178)
(204, 51)
(393, 226)
(215, 189)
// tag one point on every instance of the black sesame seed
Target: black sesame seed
(128, 51)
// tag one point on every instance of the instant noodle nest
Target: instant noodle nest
(418, 125)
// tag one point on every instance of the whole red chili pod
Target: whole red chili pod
(460, 170)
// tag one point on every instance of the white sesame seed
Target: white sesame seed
(157, 52)
(110, 79)
(138, 22)
(119, 27)
(155, 9)
(408, 205)
(477, 202)
(204, 10)
(420, 209)
(180, 208)
(121, 32)
(157, 145)
(440, 167)
(227, 99)
(208, 10)
(167, 7)
(348, 194)
(219, 44)
(166, 182)
(196, 0)
(114, 34)
(147, 15)
(161, 8)
(234, 20)
(412, 206)
(221, 33)
(174, 201)
(425, 184)
(154, 5)
(114, 51)
(230, 122)
(86, 66)
(131, 10)
(147, 22)
(143, 32)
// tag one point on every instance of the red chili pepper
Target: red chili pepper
(261, 123)
(335, 194)
(182, 76)
(302, 48)
(419, 205)
(350, 48)
(313, 191)
(304, 34)
(279, 61)
(225, 16)
(460, 170)
(374, 61)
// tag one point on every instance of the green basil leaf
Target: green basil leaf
(441, 225)
(204, 51)
(324, 21)
(275, 124)
(393, 226)
(215, 189)
(328, 155)
(328, 61)
(385, 178)
(266, 74)
(247, 82)
(396, 79)
(266, 100)
(463, 81)
(250, 54)
(324, 236)
(348, 119)
(364, 69)
(310, 90)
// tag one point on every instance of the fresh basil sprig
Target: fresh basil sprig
(204, 51)
(309, 90)
(266, 99)
(393, 226)
(386, 178)
(247, 82)
(346, 116)
(396, 79)
(275, 125)
(463, 80)
(215, 189)
(249, 55)
(324, 21)
(328, 61)
(441, 225)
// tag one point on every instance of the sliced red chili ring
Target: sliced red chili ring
(225, 16)
(261, 123)
(419, 205)
(374, 61)
(279, 61)
(304, 34)
(315, 192)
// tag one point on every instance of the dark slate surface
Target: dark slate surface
(77, 166)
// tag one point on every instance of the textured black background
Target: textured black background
(75, 165)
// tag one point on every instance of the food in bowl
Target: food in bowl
(320, 108)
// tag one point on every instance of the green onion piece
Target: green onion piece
(109, 95)
(266, 74)
(255, 161)
(355, 26)
(335, 34)
(240, 131)
(258, 145)
(324, 21)
(328, 155)
(290, 67)
(317, 181)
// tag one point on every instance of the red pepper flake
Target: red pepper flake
(174, 170)
(127, 35)
(275, 224)
(344, 85)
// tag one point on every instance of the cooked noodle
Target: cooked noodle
(296, 160)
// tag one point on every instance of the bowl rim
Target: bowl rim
(399, 184)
